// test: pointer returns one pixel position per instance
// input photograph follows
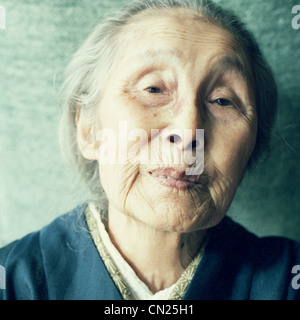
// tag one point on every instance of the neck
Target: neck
(158, 257)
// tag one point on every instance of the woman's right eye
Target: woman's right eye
(154, 90)
(222, 102)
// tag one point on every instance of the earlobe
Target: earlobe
(85, 137)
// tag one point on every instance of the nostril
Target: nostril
(174, 138)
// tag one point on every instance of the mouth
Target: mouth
(173, 178)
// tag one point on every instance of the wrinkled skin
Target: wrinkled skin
(175, 71)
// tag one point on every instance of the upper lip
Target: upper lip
(175, 174)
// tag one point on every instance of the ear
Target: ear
(85, 138)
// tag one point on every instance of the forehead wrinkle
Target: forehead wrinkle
(232, 61)
(154, 54)
(205, 38)
(187, 25)
(161, 55)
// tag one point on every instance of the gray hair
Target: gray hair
(89, 68)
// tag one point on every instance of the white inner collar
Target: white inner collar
(137, 287)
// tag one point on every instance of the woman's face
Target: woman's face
(174, 72)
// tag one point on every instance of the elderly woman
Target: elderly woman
(139, 94)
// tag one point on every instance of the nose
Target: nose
(185, 131)
(185, 127)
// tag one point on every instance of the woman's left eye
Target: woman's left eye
(222, 102)
(154, 90)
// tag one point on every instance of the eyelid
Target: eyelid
(161, 84)
(139, 93)
(226, 94)
(230, 103)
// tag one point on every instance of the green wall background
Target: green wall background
(35, 185)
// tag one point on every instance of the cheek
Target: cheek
(118, 182)
(231, 148)
(121, 108)
(131, 124)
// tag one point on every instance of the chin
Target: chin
(176, 216)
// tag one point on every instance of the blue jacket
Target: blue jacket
(61, 262)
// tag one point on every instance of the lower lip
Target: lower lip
(176, 184)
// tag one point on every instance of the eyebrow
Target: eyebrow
(157, 55)
(224, 65)
(230, 63)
